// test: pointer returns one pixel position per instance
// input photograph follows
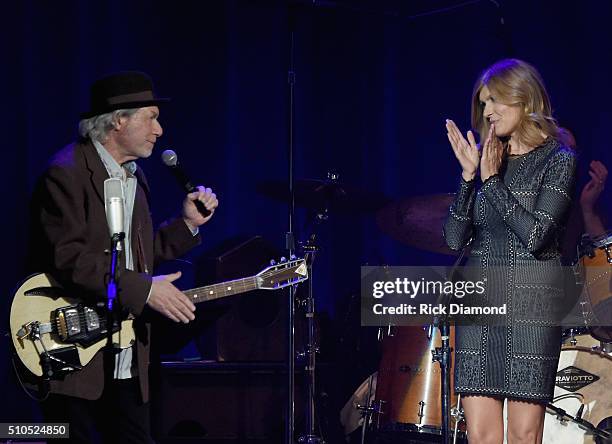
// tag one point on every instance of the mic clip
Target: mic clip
(116, 241)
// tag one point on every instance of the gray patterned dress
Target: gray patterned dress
(515, 222)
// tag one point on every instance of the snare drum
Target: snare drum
(584, 378)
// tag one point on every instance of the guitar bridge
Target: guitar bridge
(33, 330)
(28, 331)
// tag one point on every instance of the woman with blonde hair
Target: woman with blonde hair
(513, 225)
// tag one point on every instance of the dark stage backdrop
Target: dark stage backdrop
(374, 82)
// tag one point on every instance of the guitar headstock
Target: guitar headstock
(283, 274)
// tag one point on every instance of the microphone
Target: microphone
(113, 205)
(170, 159)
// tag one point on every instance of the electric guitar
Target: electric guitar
(53, 331)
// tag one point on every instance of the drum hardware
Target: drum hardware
(593, 270)
(430, 330)
(323, 195)
(458, 415)
(443, 355)
(581, 410)
(421, 414)
(604, 243)
(563, 417)
(570, 334)
(381, 333)
(378, 406)
(367, 412)
(579, 413)
(309, 354)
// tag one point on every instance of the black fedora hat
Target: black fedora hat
(123, 90)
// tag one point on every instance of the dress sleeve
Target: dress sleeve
(534, 229)
(458, 226)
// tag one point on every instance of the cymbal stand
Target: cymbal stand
(444, 356)
(458, 414)
(370, 408)
(311, 249)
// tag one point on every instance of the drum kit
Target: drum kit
(402, 401)
(581, 411)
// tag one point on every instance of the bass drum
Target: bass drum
(584, 378)
(408, 386)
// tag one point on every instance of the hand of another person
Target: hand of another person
(466, 151)
(592, 190)
(492, 155)
(193, 218)
(169, 300)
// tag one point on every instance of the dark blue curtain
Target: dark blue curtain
(374, 82)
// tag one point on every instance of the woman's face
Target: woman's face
(505, 117)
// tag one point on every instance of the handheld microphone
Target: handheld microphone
(170, 159)
(113, 204)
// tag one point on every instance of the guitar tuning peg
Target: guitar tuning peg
(283, 259)
(272, 262)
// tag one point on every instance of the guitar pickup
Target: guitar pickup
(68, 322)
(80, 324)
(92, 320)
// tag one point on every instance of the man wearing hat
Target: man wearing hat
(70, 240)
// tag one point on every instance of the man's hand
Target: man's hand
(193, 218)
(169, 300)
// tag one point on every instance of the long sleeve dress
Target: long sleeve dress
(514, 222)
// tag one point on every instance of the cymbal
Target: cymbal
(320, 194)
(417, 221)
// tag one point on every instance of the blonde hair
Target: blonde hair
(517, 83)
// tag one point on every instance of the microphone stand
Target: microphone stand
(111, 298)
(111, 290)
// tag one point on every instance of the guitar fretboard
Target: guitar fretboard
(215, 291)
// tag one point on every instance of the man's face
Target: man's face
(136, 135)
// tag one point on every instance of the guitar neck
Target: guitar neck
(217, 291)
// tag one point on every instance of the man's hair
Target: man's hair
(97, 127)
